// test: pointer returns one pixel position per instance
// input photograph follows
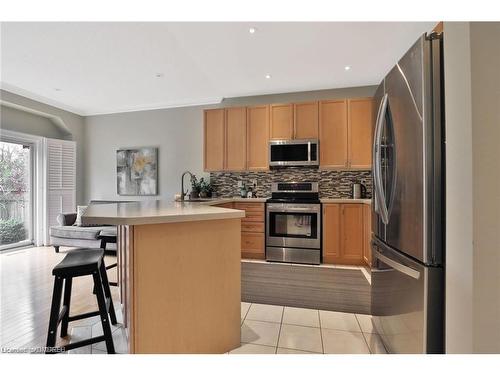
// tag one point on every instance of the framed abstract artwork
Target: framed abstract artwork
(137, 171)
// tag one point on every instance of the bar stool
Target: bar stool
(77, 263)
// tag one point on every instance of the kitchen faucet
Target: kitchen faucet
(182, 183)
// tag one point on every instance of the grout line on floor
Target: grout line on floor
(321, 334)
(279, 332)
(363, 334)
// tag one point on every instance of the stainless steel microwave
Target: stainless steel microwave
(304, 152)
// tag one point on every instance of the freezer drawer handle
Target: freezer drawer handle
(398, 266)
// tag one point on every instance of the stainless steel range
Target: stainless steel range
(293, 223)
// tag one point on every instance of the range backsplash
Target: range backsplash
(332, 184)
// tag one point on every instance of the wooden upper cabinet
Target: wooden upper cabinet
(352, 233)
(333, 134)
(236, 139)
(305, 120)
(258, 138)
(214, 139)
(281, 121)
(331, 232)
(361, 121)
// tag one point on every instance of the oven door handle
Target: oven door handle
(303, 210)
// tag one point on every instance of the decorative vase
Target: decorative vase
(193, 195)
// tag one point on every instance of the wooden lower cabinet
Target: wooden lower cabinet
(367, 249)
(252, 228)
(343, 233)
(331, 233)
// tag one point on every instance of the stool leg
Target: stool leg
(101, 301)
(66, 302)
(54, 312)
(107, 293)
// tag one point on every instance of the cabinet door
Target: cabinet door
(305, 120)
(360, 133)
(367, 222)
(258, 138)
(331, 232)
(236, 139)
(214, 140)
(281, 121)
(352, 233)
(333, 134)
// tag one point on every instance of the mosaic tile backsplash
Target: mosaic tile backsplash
(332, 184)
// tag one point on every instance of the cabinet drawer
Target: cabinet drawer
(252, 227)
(252, 216)
(258, 207)
(252, 242)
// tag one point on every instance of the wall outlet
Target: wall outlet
(240, 183)
(254, 183)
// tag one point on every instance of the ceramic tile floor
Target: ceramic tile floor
(269, 329)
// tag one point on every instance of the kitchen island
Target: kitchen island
(179, 274)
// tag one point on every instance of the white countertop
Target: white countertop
(156, 212)
(161, 211)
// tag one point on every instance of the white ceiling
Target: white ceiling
(93, 68)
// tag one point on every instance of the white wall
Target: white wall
(459, 252)
(177, 133)
(472, 85)
(485, 78)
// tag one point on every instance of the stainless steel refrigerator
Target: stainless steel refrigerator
(408, 204)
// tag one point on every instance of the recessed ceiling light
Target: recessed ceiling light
(57, 89)
(159, 75)
(268, 76)
(252, 30)
(347, 67)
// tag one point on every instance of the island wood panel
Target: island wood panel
(214, 139)
(281, 121)
(361, 122)
(305, 120)
(258, 138)
(236, 142)
(333, 134)
(187, 287)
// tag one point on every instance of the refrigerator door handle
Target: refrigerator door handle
(398, 266)
(380, 206)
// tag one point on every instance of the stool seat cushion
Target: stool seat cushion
(79, 262)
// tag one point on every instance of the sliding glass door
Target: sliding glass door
(16, 194)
